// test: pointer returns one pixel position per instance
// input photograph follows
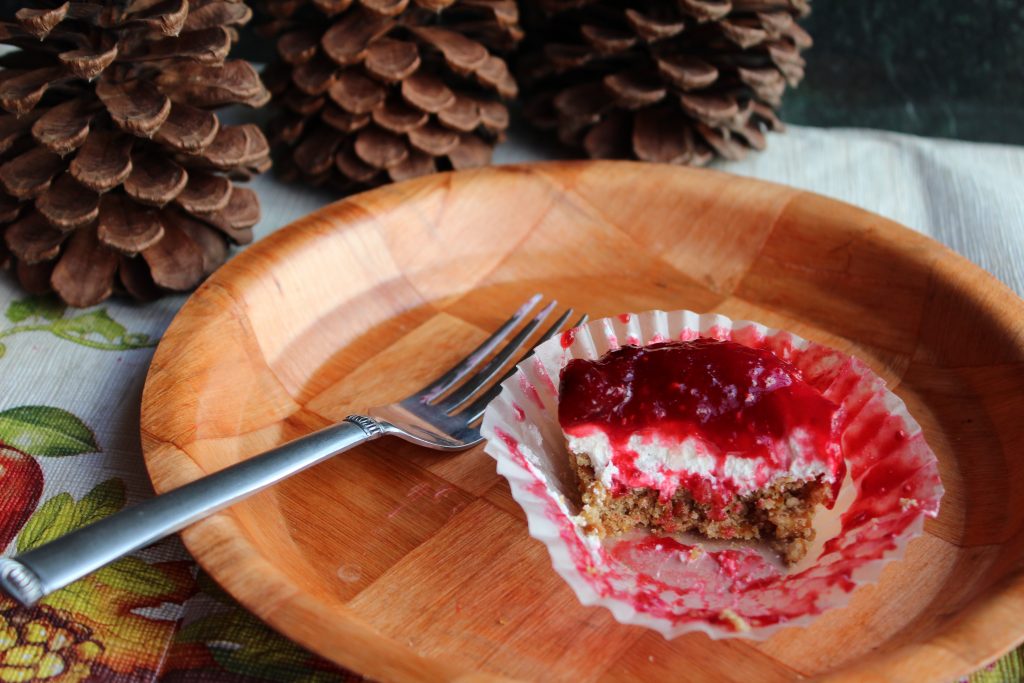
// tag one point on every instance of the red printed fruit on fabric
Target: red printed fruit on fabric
(21, 485)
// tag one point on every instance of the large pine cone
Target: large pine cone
(114, 170)
(379, 90)
(673, 81)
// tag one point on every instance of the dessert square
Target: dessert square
(812, 422)
(704, 435)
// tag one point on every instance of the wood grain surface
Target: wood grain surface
(411, 565)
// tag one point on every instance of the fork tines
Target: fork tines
(487, 366)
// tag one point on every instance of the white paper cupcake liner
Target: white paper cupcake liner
(682, 583)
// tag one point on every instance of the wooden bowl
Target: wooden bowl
(411, 565)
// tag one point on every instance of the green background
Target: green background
(946, 68)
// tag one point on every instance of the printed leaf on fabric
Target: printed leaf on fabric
(45, 431)
(94, 329)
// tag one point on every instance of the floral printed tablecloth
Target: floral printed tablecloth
(71, 382)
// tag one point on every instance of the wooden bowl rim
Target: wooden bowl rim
(993, 621)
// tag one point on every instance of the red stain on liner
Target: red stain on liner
(568, 337)
(531, 391)
(542, 372)
(513, 447)
(719, 332)
(750, 336)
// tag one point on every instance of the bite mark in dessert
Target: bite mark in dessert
(703, 435)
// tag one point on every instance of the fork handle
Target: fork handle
(40, 571)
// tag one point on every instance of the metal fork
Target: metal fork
(444, 415)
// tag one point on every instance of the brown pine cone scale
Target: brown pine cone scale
(111, 146)
(671, 81)
(382, 90)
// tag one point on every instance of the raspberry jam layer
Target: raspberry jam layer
(727, 400)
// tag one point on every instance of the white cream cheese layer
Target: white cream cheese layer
(664, 462)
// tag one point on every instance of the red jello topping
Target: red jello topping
(738, 400)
